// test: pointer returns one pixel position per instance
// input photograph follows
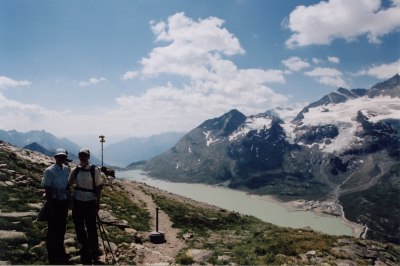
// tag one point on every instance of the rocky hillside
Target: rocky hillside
(194, 232)
(43, 142)
(345, 147)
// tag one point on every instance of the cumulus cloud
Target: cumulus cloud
(333, 59)
(129, 75)
(383, 71)
(198, 52)
(193, 47)
(295, 63)
(347, 19)
(327, 76)
(91, 81)
(32, 112)
(6, 82)
(172, 108)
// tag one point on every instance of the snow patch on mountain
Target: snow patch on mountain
(289, 128)
(252, 123)
(209, 138)
(344, 116)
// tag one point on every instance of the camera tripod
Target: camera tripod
(103, 236)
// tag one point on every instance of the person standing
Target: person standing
(87, 191)
(55, 180)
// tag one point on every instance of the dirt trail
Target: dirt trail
(149, 253)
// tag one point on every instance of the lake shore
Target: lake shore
(274, 210)
(269, 198)
(326, 207)
(322, 208)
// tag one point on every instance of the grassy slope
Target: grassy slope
(16, 198)
(245, 239)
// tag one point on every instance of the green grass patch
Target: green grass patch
(123, 208)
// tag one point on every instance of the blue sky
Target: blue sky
(138, 68)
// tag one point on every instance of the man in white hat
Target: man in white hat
(55, 181)
(87, 190)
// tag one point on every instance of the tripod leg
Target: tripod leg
(102, 238)
(105, 236)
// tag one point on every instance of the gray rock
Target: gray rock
(130, 231)
(107, 218)
(71, 250)
(303, 257)
(224, 258)
(311, 253)
(18, 214)
(9, 183)
(346, 263)
(187, 236)
(69, 241)
(199, 255)
(36, 206)
(12, 235)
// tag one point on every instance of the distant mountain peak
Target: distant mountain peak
(34, 146)
(225, 124)
(390, 87)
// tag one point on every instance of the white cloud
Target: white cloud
(317, 60)
(327, 76)
(26, 114)
(129, 75)
(333, 59)
(347, 19)
(295, 63)
(6, 82)
(171, 108)
(383, 71)
(91, 81)
(197, 51)
(192, 47)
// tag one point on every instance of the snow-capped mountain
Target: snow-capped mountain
(346, 143)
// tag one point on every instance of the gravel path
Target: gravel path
(150, 253)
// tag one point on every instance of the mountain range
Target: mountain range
(43, 142)
(118, 154)
(137, 149)
(344, 147)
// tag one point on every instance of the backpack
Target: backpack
(92, 170)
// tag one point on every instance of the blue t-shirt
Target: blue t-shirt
(56, 177)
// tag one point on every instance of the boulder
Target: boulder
(130, 231)
(107, 218)
(199, 255)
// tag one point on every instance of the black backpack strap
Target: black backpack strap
(92, 173)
